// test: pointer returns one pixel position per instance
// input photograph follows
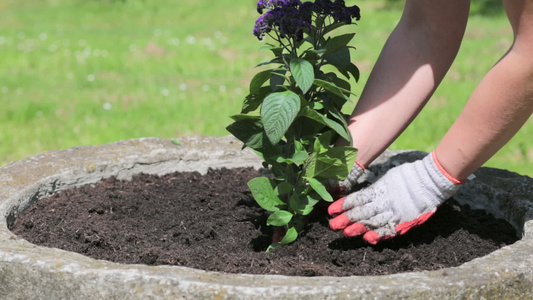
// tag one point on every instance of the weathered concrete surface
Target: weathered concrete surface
(31, 272)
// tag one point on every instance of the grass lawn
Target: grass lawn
(77, 72)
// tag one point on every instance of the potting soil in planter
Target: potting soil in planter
(211, 222)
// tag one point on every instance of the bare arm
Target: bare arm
(412, 63)
(499, 106)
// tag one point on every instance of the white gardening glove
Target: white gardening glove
(406, 196)
(342, 188)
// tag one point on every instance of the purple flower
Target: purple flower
(292, 17)
(260, 6)
(306, 11)
(286, 16)
(341, 13)
(261, 28)
(269, 4)
(338, 10)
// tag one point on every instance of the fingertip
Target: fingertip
(371, 237)
(339, 222)
(354, 230)
(335, 208)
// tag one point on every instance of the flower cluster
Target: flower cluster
(338, 10)
(292, 17)
(289, 17)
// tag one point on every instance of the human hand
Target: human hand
(406, 196)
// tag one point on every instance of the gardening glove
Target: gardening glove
(342, 188)
(406, 196)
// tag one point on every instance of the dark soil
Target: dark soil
(211, 222)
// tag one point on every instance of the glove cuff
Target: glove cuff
(444, 172)
(435, 180)
(360, 165)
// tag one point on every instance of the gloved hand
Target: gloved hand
(342, 188)
(406, 196)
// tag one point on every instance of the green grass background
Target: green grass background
(78, 72)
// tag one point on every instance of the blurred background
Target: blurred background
(79, 72)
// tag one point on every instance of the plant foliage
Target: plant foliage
(292, 115)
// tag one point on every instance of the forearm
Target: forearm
(499, 106)
(497, 109)
(412, 63)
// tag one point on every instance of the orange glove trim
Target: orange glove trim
(360, 164)
(444, 172)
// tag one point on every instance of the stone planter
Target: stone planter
(33, 272)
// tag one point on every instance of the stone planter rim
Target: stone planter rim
(504, 272)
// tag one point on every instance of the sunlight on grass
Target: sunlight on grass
(90, 72)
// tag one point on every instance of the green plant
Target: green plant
(292, 115)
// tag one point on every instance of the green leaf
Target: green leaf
(300, 154)
(313, 56)
(277, 80)
(253, 101)
(258, 80)
(333, 88)
(298, 158)
(340, 59)
(263, 191)
(276, 60)
(319, 188)
(304, 206)
(248, 131)
(352, 69)
(319, 147)
(241, 117)
(278, 112)
(279, 218)
(324, 142)
(283, 188)
(316, 105)
(290, 236)
(338, 128)
(345, 157)
(312, 200)
(343, 84)
(336, 113)
(303, 73)
(333, 26)
(307, 128)
(335, 163)
(338, 42)
(269, 152)
(339, 116)
(272, 247)
(296, 204)
(276, 50)
(298, 162)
